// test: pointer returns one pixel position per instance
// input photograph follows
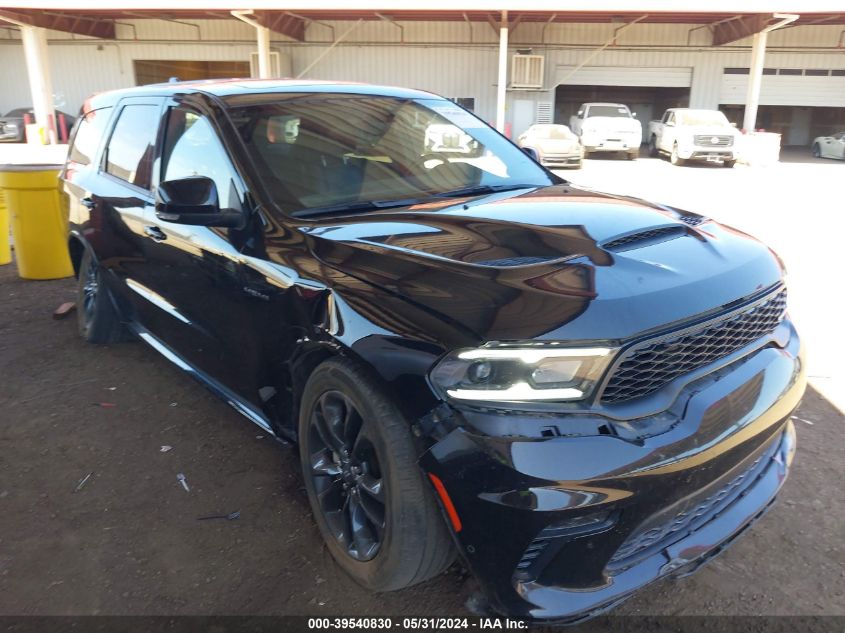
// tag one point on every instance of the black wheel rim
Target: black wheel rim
(90, 287)
(346, 475)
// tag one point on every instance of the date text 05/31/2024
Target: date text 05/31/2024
(482, 624)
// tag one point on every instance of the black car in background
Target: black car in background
(13, 125)
(576, 393)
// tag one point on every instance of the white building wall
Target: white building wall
(455, 59)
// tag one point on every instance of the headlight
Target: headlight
(524, 373)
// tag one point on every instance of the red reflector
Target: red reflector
(447, 502)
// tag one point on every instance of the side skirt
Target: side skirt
(227, 395)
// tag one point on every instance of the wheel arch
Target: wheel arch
(77, 246)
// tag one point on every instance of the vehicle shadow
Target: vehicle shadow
(800, 154)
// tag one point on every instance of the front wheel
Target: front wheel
(817, 151)
(374, 508)
(652, 147)
(674, 158)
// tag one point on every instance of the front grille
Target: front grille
(689, 518)
(648, 368)
(706, 140)
(643, 236)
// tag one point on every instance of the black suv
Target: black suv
(577, 393)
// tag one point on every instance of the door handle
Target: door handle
(155, 233)
(88, 203)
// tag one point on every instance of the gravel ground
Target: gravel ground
(128, 541)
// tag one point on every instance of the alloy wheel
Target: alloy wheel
(90, 287)
(346, 475)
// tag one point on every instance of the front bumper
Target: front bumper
(618, 142)
(560, 528)
(561, 160)
(711, 154)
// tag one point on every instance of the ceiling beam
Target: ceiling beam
(282, 22)
(495, 22)
(57, 21)
(728, 31)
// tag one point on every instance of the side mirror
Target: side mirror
(634, 114)
(532, 153)
(193, 201)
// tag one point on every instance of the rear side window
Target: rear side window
(129, 154)
(87, 137)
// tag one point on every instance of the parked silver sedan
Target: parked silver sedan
(555, 145)
(830, 146)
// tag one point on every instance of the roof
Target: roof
(232, 90)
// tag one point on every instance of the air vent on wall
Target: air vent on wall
(544, 112)
(527, 72)
(275, 65)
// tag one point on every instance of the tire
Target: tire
(817, 151)
(729, 163)
(652, 147)
(368, 468)
(674, 158)
(97, 316)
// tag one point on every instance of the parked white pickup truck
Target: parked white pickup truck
(607, 127)
(685, 134)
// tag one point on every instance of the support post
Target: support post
(38, 70)
(263, 39)
(501, 88)
(755, 79)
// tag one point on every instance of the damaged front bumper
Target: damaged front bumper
(563, 527)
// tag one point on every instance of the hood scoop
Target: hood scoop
(692, 220)
(527, 260)
(644, 238)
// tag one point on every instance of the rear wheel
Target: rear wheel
(674, 158)
(374, 508)
(97, 317)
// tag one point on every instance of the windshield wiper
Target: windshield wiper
(351, 207)
(481, 190)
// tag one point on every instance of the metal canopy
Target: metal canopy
(292, 23)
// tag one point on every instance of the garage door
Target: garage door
(787, 86)
(671, 77)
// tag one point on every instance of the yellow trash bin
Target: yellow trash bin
(5, 250)
(39, 226)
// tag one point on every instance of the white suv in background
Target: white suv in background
(607, 127)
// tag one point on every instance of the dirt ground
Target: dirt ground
(128, 541)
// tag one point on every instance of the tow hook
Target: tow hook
(437, 423)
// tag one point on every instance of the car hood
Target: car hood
(554, 145)
(551, 263)
(616, 123)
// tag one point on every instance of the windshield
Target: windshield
(609, 110)
(559, 132)
(702, 117)
(331, 151)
